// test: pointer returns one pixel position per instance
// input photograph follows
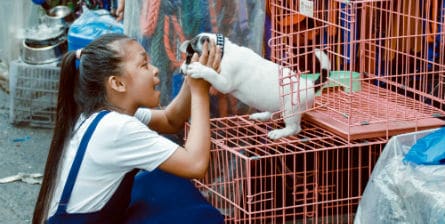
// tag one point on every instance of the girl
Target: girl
(105, 132)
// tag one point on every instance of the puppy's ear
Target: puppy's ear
(183, 47)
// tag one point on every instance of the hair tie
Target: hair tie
(78, 53)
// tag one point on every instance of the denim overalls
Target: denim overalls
(156, 197)
(114, 209)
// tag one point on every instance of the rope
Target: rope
(149, 17)
(161, 61)
(169, 50)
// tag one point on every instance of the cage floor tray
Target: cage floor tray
(373, 112)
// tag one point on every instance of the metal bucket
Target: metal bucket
(59, 16)
(42, 55)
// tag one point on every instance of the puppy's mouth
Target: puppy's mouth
(189, 54)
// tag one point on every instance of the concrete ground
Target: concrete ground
(22, 150)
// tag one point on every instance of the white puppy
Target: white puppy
(255, 81)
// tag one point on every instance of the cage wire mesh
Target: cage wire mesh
(33, 94)
(387, 77)
(387, 62)
(314, 176)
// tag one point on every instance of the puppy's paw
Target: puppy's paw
(197, 70)
(263, 116)
(284, 132)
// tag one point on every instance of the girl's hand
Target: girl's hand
(210, 57)
(195, 84)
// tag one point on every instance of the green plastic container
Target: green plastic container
(340, 78)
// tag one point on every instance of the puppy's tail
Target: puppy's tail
(325, 65)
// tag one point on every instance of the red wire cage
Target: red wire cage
(387, 62)
(313, 177)
(387, 77)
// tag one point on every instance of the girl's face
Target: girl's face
(141, 77)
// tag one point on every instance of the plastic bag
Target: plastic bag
(400, 192)
(429, 150)
(13, 26)
(90, 25)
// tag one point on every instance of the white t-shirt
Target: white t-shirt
(119, 144)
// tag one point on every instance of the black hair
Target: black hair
(81, 90)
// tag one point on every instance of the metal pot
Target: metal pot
(42, 55)
(44, 36)
(60, 16)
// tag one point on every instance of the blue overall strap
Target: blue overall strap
(66, 194)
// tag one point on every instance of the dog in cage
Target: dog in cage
(256, 81)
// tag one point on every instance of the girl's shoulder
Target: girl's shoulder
(117, 120)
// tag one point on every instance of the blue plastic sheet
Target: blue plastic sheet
(90, 25)
(429, 150)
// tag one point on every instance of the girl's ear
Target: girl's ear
(117, 84)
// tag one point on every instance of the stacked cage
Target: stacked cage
(315, 176)
(33, 94)
(387, 62)
(387, 77)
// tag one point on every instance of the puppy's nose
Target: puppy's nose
(204, 39)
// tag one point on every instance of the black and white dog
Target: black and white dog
(255, 81)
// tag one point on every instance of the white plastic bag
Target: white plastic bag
(403, 192)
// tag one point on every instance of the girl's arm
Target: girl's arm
(172, 119)
(192, 160)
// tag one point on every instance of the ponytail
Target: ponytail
(78, 93)
(66, 116)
